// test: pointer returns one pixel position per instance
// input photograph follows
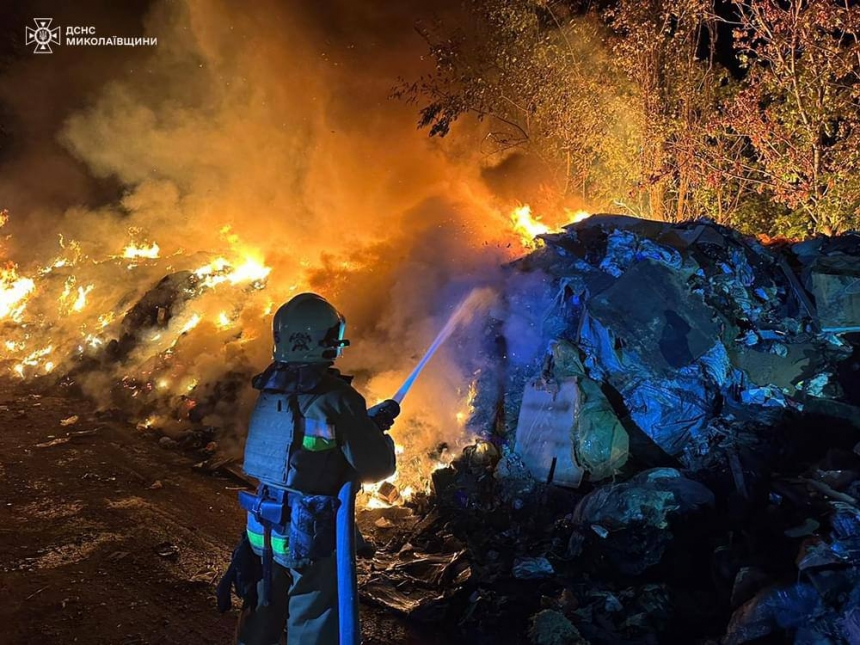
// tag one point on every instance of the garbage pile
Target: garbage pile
(674, 455)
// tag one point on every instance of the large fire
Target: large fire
(76, 312)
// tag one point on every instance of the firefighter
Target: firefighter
(310, 432)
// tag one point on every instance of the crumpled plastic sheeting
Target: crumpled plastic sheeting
(646, 499)
(629, 522)
(717, 365)
(766, 396)
(851, 625)
(532, 569)
(654, 320)
(670, 411)
(802, 606)
(773, 609)
(623, 248)
(601, 357)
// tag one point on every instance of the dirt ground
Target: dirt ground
(106, 538)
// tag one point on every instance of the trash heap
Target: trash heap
(671, 452)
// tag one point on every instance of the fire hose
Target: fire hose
(347, 581)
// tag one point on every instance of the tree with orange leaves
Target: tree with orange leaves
(799, 109)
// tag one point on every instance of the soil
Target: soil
(108, 538)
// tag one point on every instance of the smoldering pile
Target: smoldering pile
(669, 449)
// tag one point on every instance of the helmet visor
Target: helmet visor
(334, 342)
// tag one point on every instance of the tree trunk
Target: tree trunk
(656, 197)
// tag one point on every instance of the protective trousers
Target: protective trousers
(303, 600)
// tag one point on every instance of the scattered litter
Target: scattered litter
(70, 421)
(166, 550)
(54, 442)
(680, 403)
(58, 441)
(532, 568)
(384, 523)
(388, 493)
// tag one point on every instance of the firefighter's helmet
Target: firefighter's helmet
(308, 329)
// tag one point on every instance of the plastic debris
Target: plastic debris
(773, 609)
(547, 418)
(532, 568)
(667, 449)
(631, 519)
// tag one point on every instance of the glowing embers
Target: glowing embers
(14, 291)
(469, 404)
(35, 362)
(141, 251)
(220, 270)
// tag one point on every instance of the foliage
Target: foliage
(798, 108)
(625, 101)
(550, 89)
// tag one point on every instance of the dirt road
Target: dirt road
(106, 538)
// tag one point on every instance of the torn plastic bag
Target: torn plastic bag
(648, 498)
(631, 518)
(766, 396)
(774, 609)
(600, 443)
(546, 423)
(532, 569)
(670, 411)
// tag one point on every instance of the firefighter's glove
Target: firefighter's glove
(383, 414)
(241, 577)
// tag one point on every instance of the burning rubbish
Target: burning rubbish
(691, 400)
(641, 464)
(625, 431)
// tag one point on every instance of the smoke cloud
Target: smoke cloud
(262, 135)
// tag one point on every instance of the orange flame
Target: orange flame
(528, 226)
(220, 270)
(14, 291)
(141, 251)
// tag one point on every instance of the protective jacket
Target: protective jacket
(308, 435)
